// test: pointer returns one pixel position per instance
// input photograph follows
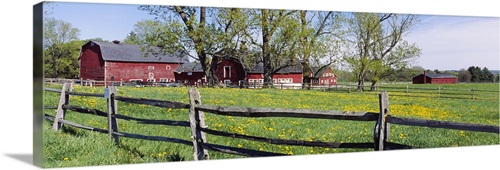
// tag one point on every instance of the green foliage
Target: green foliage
(481, 75)
(61, 49)
(377, 48)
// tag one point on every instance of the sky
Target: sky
(447, 42)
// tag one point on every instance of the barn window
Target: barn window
(315, 81)
(227, 82)
(190, 73)
(135, 80)
(163, 79)
(151, 76)
(151, 67)
(168, 67)
(151, 80)
(274, 80)
(227, 71)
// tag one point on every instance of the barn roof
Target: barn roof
(138, 53)
(439, 75)
(319, 72)
(259, 68)
(189, 67)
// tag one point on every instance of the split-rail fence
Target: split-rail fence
(199, 130)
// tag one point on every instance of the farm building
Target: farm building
(228, 71)
(104, 61)
(320, 76)
(190, 74)
(435, 79)
(289, 76)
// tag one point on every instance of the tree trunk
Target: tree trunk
(360, 85)
(213, 80)
(266, 56)
(373, 87)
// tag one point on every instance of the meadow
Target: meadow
(75, 147)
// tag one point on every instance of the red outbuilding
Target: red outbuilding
(289, 77)
(126, 62)
(435, 79)
(190, 74)
(322, 76)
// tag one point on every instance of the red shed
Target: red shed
(289, 76)
(190, 74)
(435, 79)
(321, 76)
(106, 60)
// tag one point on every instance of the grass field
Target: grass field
(75, 147)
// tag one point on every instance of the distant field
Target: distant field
(75, 147)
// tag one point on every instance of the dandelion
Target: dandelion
(66, 158)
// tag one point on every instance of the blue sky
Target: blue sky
(448, 42)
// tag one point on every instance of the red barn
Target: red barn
(288, 76)
(435, 79)
(126, 62)
(323, 76)
(230, 71)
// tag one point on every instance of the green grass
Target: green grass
(84, 148)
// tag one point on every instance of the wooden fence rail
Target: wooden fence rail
(381, 131)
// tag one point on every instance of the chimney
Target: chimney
(116, 41)
(425, 78)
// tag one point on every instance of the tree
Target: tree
(132, 38)
(464, 75)
(187, 30)
(273, 33)
(377, 45)
(61, 49)
(318, 43)
(487, 76)
(476, 73)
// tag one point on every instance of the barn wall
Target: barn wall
(444, 80)
(419, 79)
(328, 80)
(236, 72)
(126, 71)
(296, 77)
(91, 63)
(186, 79)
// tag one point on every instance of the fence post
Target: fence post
(121, 82)
(197, 120)
(112, 111)
(406, 90)
(63, 101)
(473, 97)
(349, 87)
(81, 81)
(382, 128)
(439, 91)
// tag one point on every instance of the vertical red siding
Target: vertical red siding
(139, 70)
(186, 79)
(91, 63)
(236, 71)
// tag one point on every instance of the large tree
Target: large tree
(318, 43)
(61, 49)
(273, 32)
(377, 45)
(205, 34)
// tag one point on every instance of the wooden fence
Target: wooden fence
(199, 130)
